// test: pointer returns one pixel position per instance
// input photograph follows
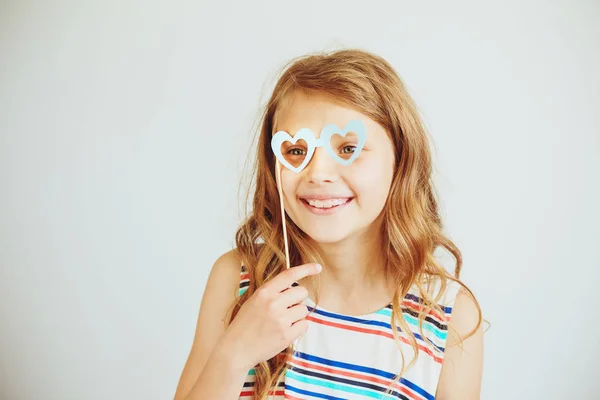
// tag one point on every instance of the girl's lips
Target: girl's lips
(326, 211)
(324, 197)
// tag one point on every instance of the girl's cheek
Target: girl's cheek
(289, 183)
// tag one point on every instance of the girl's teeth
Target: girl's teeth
(326, 203)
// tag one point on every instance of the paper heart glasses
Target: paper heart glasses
(295, 152)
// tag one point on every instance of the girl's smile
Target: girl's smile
(325, 205)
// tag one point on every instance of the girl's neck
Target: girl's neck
(354, 274)
(352, 263)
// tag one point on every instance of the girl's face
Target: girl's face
(327, 200)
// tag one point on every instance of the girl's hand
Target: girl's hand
(270, 320)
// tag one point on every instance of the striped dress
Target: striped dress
(356, 357)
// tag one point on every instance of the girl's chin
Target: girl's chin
(326, 236)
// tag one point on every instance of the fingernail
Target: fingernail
(319, 267)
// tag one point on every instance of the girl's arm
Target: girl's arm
(210, 372)
(462, 368)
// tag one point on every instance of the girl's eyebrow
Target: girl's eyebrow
(291, 133)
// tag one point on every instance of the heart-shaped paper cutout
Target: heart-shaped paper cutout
(282, 136)
(355, 126)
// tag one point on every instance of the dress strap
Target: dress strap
(244, 280)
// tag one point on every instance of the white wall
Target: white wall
(118, 188)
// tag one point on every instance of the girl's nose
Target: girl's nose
(321, 168)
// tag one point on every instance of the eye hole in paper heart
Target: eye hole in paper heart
(294, 153)
(344, 147)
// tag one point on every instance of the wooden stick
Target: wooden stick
(279, 167)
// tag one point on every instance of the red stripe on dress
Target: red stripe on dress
(271, 393)
(290, 397)
(374, 332)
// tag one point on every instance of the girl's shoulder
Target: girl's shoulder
(226, 271)
(229, 261)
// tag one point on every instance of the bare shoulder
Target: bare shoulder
(219, 295)
(221, 287)
(462, 368)
(464, 318)
(227, 268)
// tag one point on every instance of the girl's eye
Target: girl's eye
(348, 149)
(296, 152)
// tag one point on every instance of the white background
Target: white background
(124, 127)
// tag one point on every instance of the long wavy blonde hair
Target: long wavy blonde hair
(412, 227)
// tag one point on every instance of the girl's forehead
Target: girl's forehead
(316, 110)
(313, 111)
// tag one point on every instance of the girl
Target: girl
(365, 311)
